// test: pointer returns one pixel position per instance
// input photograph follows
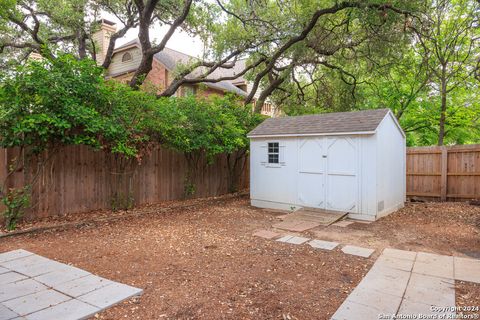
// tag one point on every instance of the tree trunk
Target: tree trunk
(443, 110)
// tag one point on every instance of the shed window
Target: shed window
(273, 152)
(127, 56)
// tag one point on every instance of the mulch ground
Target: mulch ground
(202, 262)
(450, 228)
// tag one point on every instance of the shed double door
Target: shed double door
(328, 173)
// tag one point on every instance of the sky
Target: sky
(180, 41)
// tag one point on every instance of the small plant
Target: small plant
(189, 189)
(15, 201)
(292, 208)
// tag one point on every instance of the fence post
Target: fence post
(443, 177)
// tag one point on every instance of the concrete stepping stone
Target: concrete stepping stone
(434, 265)
(358, 251)
(409, 307)
(392, 284)
(266, 234)
(84, 285)
(394, 263)
(293, 239)
(35, 301)
(12, 255)
(19, 289)
(110, 295)
(7, 314)
(380, 301)
(467, 269)
(321, 244)
(60, 275)
(351, 310)
(69, 310)
(431, 290)
(385, 280)
(399, 254)
(4, 270)
(9, 277)
(46, 289)
(296, 225)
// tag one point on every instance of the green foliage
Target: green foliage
(203, 127)
(211, 126)
(16, 200)
(67, 102)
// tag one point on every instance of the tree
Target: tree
(448, 34)
(276, 37)
(205, 127)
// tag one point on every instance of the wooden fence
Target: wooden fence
(444, 173)
(79, 179)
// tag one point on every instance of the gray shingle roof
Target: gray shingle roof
(325, 123)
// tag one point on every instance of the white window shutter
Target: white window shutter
(282, 156)
(264, 154)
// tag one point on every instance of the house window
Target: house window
(273, 152)
(127, 56)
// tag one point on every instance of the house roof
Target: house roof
(171, 58)
(365, 121)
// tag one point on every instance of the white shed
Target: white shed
(348, 161)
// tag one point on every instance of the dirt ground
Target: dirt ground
(202, 262)
(450, 228)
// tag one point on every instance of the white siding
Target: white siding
(117, 66)
(391, 173)
(380, 175)
(274, 183)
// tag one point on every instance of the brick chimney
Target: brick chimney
(102, 38)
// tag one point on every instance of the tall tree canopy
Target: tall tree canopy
(420, 58)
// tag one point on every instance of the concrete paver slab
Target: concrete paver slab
(383, 302)
(266, 234)
(409, 307)
(51, 290)
(434, 265)
(293, 239)
(110, 295)
(35, 301)
(399, 254)
(12, 255)
(358, 251)
(431, 290)
(394, 263)
(321, 244)
(61, 274)
(69, 310)
(351, 310)
(7, 314)
(4, 270)
(19, 289)
(33, 265)
(10, 277)
(393, 284)
(386, 280)
(467, 269)
(84, 285)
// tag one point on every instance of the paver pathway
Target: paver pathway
(408, 283)
(34, 287)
